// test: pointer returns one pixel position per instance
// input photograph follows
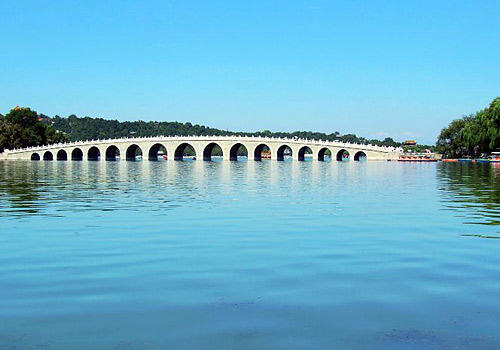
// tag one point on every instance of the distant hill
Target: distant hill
(87, 128)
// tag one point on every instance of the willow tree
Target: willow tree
(450, 142)
(472, 135)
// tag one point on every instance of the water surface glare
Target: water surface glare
(249, 255)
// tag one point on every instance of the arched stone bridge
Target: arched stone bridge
(231, 146)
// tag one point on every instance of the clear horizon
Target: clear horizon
(375, 69)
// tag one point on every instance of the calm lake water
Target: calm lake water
(219, 255)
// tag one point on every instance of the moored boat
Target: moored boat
(418, 158)
(495, 157)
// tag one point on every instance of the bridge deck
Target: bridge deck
(202, 147)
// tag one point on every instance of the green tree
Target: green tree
(21, 128)
(388, 141)
(472, 135)
(5, 134)
(24, 117)
(490, 120)
(450, 142)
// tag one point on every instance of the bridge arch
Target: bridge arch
(181, 149)
(283, 151)
(154, 151)
(112, 153)
(360, 156)
(48, 155)
(325, 151)
(343, 155)
(35, 156)
(257, 153)
(207, 151)
(232, 147)
(303, 151)
(132, 152)
(238, 149)
(62, 155)
(77, 154)
(93, 153)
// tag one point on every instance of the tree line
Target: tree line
(473, 135)
(23, 127)
(88, 128)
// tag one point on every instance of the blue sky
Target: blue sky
(374, 68)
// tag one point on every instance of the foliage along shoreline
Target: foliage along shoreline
(472, 136)
(23, 127)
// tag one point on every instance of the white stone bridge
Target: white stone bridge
(175, 147)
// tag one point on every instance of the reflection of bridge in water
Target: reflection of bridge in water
(202, 147)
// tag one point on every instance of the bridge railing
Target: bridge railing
(262, 139)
